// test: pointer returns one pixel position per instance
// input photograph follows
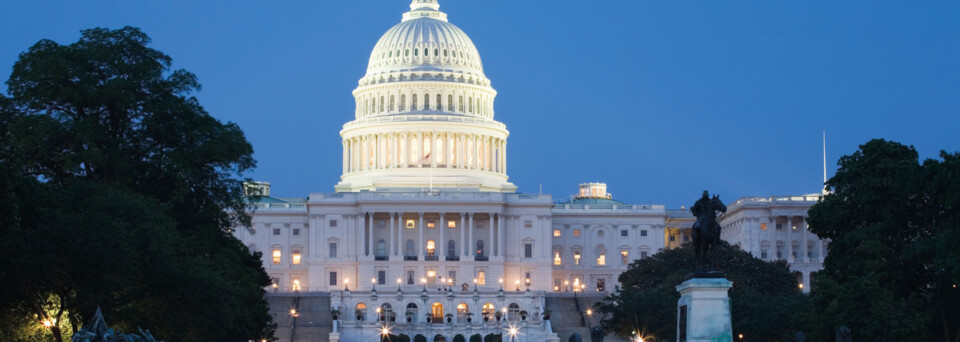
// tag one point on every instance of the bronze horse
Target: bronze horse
(706, 230)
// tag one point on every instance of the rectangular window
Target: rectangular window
(410, 276)
(623, 232)
(296, 284)
(643, 232)
(333, 223)
(333, 278)
(333, 249)
(451, 224)
(556, 233)
(296, 256)
(481, 277)
(451, 277)
(527, 224)
(274, 280)
(602, 259)
(296, 231)
(673, 238)
(625, 257)
(276, 231)
(556, 258)
(643, 254)
(779, 226)
(431, 224)
(686, 238)
(763, 226)
(411, 224)
(576, 258)
(381, 277)
(763, 254)
(276, 256)
(528, 250)
(576, 233)
(381, 224)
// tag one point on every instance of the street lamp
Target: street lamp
(566, 285)
(398, 284)
(513, 333)
(501, 284)
(373, 283)
(423, 281)
(346, 284)
(528, 283)
(474, 284)
(293, 313)
(518, 284)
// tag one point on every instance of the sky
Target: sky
(659, 99)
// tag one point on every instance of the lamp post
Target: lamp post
(517, 283)
(566, 285)
(423, 281)
(589, 319)
(528, 283)
(501, 283)
(373, 284)
(398, 284)
(474, 284)
(346, 284)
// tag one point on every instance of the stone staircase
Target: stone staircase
(566, 318)
(313, 322)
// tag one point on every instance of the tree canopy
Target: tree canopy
(764, 299)
(894, 256)
(118, 190)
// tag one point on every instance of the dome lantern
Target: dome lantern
(424, 9)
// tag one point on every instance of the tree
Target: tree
(893, 262)
(765, 300)
(120, 190)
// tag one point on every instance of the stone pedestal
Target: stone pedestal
(703, 311)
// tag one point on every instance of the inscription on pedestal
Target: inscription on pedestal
(682, 323)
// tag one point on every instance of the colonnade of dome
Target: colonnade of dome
(420, 149)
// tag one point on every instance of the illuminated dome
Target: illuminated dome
(425, 41)
(424, 113)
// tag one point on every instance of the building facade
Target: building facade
(424, 226)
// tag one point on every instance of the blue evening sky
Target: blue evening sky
(643, 95)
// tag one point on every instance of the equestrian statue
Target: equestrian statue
(706, 230)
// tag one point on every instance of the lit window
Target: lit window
(763, 226)
(625, 257)
(556, 233)
(576, 258)
(602, 259)
(276, 256)
(431, 247)
(296, 256)
(527, 224)
(576, 233)
(296, 284)
(431, 224)
(451, 224)
(556, 258)
(411, 224)
(481, 277)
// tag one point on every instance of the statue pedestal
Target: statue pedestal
(703, 311)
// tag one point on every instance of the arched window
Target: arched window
(361, 311)
(413, 105)
(409, 250)
(451, 248)
(480, 247)
(513, 312)
(470, 104)
(391, 103)
(426, 52)
(373, 106)
(488, 311)
(416, 52)
(439, 102)
(462, 311)
(450, 102)
(445, 53)
(436, 310)
(253, 248)
(436, 52)
(403, 102)
(426, 102)
(381, 104)
(431, 247)
(411, 312)
(601, 256)
(390, 55)
(381, 248)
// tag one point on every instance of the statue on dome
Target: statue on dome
(706, 230)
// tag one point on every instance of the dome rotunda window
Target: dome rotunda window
(436, 52)
(416, 52)
(406, 52)
(390, 54)
(445, 53)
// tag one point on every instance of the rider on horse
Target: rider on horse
(706, 230)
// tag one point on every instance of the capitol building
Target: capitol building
(426, 236)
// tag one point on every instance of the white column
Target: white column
(443, 243)
(504, 157)
(423, 251)
(790, 239)
(470, 243)
(419, 157)
(463, 236)
(460, 141)
(448, 141)
(433, 149)
(392, 250)
(489, 157)
(369, 223)
(490, 242)
(344, 156)
(500, 234)
(803, 224)
(476, 154)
